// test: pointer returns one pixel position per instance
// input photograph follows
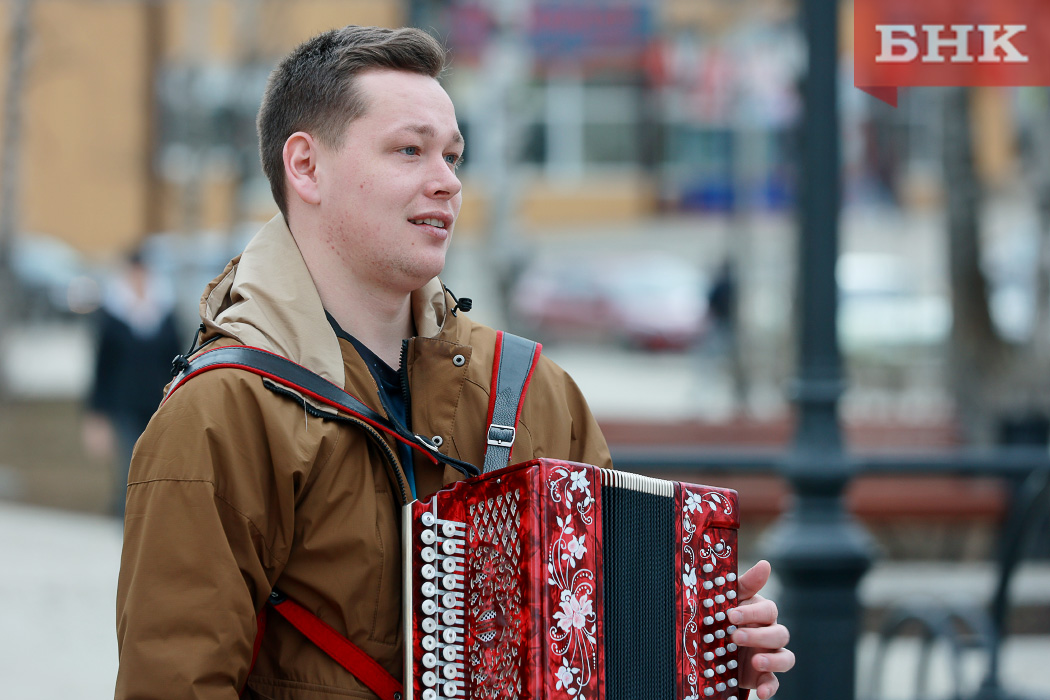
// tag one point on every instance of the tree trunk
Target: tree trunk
(976, 353)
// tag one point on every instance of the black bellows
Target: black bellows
(639, 570)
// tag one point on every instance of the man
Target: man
(238, 485)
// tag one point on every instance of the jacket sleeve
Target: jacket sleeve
(207, 528)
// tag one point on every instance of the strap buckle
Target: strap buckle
(502, 435)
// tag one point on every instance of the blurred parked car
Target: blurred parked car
(882, 305)
(651, 301)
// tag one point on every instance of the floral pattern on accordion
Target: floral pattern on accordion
(703, 541)
(571, 563)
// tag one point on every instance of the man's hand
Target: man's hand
(760, 638)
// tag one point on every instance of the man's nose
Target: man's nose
(445, 183)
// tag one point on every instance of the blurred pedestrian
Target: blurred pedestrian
(136, 342)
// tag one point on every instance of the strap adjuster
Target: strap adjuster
(502, 435)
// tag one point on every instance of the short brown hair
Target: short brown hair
(313, 88)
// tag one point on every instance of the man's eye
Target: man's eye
(454, 159)
(410, 150)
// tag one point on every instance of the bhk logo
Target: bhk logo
(901, 43)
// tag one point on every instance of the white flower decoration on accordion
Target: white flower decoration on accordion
(573, 636)
(689, 577)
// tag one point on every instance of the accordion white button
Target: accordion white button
(708, 673)
(708, 656)
(451, 690)
(709, 620)
(449, 529)
(449, 636)
(449, 581)
(449, 618)
(709, 603)
(429, 625)
(720, 687)
(720, 616)
(732, 682)
(730, 629)
(449, 600)
(709, 692)
(428, 588)
(731, 646)
(429, 694)
(708, 638)
(720, 651)
(449, 653)
(428, 536)
(448, 547)
(428, 519)
(428, 554)
(428, 571)
(720, 599)
(708, 568)
(430, 679)
(708, 585)
(429, 660)
(731, 577)
(720, 634)
(720, 668)
(449, 671)
(448, 565)
(429, 643)
(429, 607)
(732, 663)
(720, 581)
(731, 595)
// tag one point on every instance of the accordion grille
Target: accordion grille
(639, 566)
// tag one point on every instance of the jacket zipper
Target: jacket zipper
(402, 373)
(372, 432)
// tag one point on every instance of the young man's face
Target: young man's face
(389, 193)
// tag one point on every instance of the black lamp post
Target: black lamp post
(818, 551)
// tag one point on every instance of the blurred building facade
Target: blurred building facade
(625, 109)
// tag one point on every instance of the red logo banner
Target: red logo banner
(904, 43)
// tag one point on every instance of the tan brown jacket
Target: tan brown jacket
(236, 487)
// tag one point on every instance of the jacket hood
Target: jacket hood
(266, 298)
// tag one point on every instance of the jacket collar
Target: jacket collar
(266, 298)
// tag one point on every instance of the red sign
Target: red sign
(900, 43)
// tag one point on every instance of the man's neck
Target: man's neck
(378, 316)
(381, 324)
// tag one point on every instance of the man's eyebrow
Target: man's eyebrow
(428, 131)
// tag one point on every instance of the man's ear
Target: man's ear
(300, 166)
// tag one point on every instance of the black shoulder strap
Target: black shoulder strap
(296, 377)
(512, 367)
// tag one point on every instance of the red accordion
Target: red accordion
(553, 579)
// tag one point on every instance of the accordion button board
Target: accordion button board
(553, 579)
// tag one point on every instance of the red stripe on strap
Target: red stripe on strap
(350, 656)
